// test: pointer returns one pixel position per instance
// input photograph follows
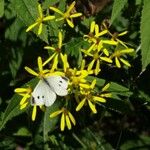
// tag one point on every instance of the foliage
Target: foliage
(102, 48)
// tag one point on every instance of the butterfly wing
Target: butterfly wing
(43, 95)
(58, 84)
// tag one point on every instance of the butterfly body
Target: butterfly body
(47, 88)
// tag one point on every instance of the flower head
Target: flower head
(57, 53)
(39, 21)
(26, 94)
(66, 118)
(118, 56)
(89, 96)
(68, 15)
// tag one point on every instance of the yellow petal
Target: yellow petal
(106, 95)
(92, 27)
(29, 70)
(40, 28)
(128, 50)
(40, 10)
(110, 42)
(23, 106)
(59, 40)
(96, 30)
(106, 52)
(122, 43)
(56, 113)
(31, 26)
(62, 122)
(90, 66)
(99, 99)
(48, 18)
(65, 62)
(92, 106)
(56, 10)
(100, 46)
(72, 118)
(49, 59)
(40, 64)
(49, 47)
(75, 15)
(97, 69)
(125, 62)
(21, 90)
(71, 7)
(80, 105)
(70, 23)
(117, 62)
(68, 123)
(122, 33)
(55, 63)
(93, 84)
(106, 59)
(106, 87)
(90, 49)
(85, 86)
(101, 33)
(34, 112)
(24, 99)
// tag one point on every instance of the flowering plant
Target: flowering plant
(75, 71)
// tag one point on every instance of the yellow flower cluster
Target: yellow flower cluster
(84, 92)
(68, 16)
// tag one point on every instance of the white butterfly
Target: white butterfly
(47, 88)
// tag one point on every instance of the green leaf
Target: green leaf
(15, 61)
(13, 109)
(116, 103)
(115, 88)
(145, 34)
(23, 132)
(1, 8)
(117, 8)
(27, 11)
(49, 124)
(47, 3)
(73, 47)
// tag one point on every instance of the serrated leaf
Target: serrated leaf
(27, 11)
(118, 5)
(145, 34)
(73, 46)
(13, 109)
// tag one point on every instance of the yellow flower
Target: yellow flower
(26, 94)
(97, 57)
(68, 15)
(94, 33)
(115, 38)
(115, 35)
(56, 53)
(117, 56)
(89, 96)
(66, 118)
(40, 20)
(94, 38)
(42, 73)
